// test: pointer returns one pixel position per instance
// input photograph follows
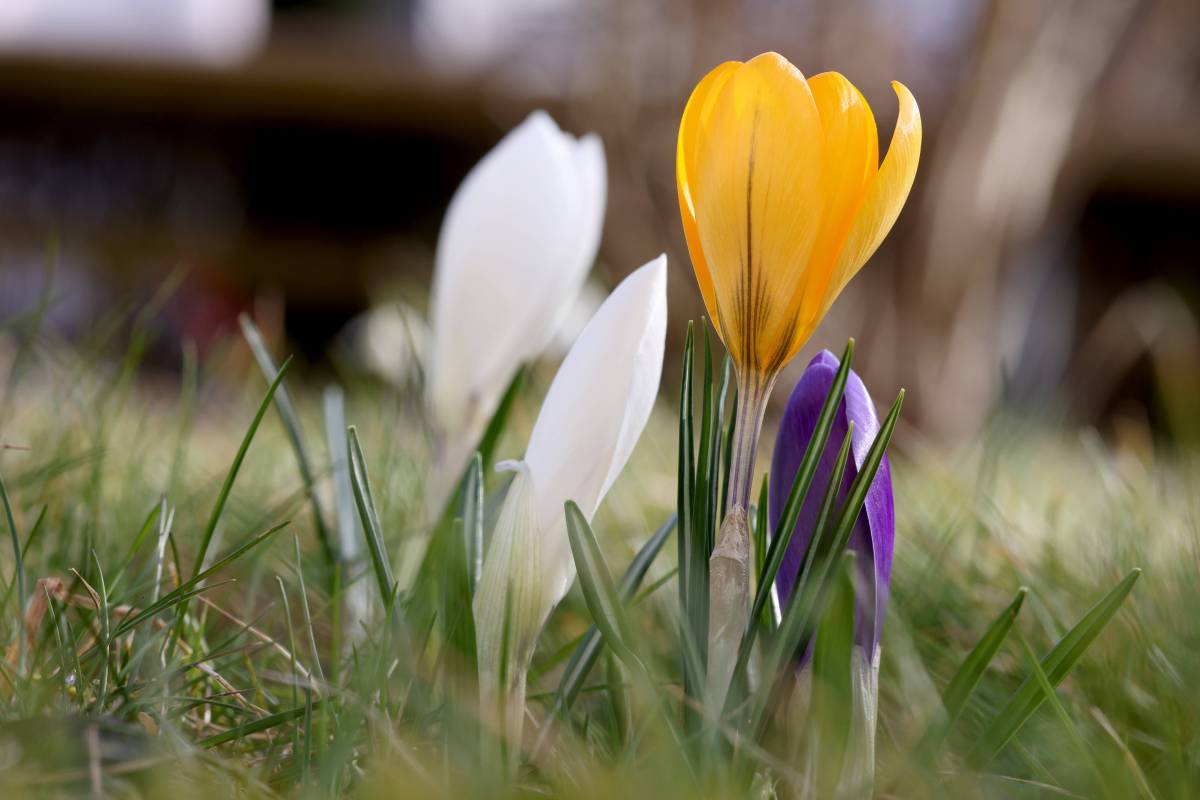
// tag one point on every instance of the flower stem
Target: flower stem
(729, 564)
(753, 391)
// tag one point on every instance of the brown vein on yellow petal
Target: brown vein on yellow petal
(783, 348)
(746, 300)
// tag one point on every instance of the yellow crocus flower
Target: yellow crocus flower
(783, 198)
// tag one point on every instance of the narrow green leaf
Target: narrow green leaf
(185, 589)
(499, 421)
(782, 534)
(831, 684)
(472, 516)
(1051, 697)
(954, 699)
(291, 424)
(105, 637)
(585, 654)
(968, 675)
(310, 634)
(138, 540)
(797, 614)
(364, 498)
(455, 611)
(704, 502)
(766, 619)
(18, 570)
(693, 565)
(1057, 665)
(215, 516)
(817, 570)
(259, 725)
(596, 581)
(727, 425)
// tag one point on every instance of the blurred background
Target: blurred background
(295, 158)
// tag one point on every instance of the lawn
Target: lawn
(280, 674)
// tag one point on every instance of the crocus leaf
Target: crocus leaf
(813, 585)
(472, 517)
(727, 381)
(586, 653)
(707, 480)
(800, 607)
(954, 699)
(831, 684)
(455, 613)
(968, 675)
(499, 421)
(596, 581)
(766, 618)
(1057, 665)
(799, 491)
(1051, 697)
(693, 560)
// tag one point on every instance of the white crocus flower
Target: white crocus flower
(591, 419)
(517, 242)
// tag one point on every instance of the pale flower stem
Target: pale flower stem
(729, 564)
(753, 391)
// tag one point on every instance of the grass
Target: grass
(197, 624)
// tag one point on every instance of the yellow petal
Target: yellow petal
(885, 195)
(756, 192)
(695, 114)
(851, 160)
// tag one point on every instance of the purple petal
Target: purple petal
(874, 532)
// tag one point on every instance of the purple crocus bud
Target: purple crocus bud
(874, 531)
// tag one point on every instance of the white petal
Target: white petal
(596, 409)
(591, 186)
(518, 240)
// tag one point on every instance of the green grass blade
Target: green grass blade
(1057, 665)
(259, 725)
(215, 516)
(291, 424)
(39, 525)
(147, 525)
(185, 589)
(306, 610)
(18, 571)
(365, 500)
